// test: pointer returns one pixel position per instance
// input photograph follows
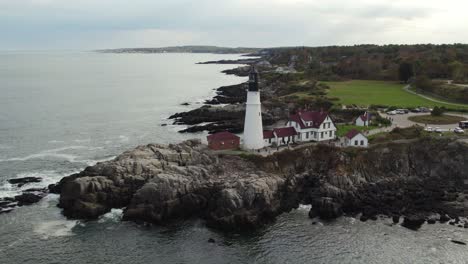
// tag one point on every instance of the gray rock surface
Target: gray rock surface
(159, 184)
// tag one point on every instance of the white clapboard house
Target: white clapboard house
(355, 138)
(280, 136)
(313, 126)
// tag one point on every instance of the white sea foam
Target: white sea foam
(123, 138)
(82, 140)
(48, 177)
(304, 207)
(55, 228)
(93, 162)
(55, 141)
(8, 190)
(115, 215)
(53, 153)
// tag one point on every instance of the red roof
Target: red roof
(285, 131)
(316, 117)
(352, 133)
(268, 134)
(365, 117)
(222, 136)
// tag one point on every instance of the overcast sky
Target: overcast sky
(91, 24)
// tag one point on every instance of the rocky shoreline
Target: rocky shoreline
(226, 110)
(160, 184)
(27, 197)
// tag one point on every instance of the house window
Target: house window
(362, 142)
(321, 134)
(307, 135)
(356, 142)
(269, 140)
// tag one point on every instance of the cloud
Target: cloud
(265, 23)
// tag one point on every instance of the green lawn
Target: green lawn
(366, 93)
(341, 130)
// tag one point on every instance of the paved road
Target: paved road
(402, 120)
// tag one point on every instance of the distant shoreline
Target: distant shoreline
(184, 49)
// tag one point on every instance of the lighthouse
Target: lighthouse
(253, 129)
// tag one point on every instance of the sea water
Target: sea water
(63, 111)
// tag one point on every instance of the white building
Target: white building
(363, 120)
(253, 129)
(355, 138)
(313, 126)
(280, 136)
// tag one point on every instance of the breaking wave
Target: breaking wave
(55, 228)
(53, 153)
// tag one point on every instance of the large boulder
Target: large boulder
(326, 208)
(413, 222)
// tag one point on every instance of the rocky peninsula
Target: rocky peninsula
(159, 184)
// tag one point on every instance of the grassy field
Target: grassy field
(365, 93)
(437, 120)
(341, 130)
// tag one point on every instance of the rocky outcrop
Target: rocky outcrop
(27, 197)
(22, 181)
(215, 119)
(159, 184)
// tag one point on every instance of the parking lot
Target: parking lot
(401, 120)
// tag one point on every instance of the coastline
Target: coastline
(160, 184)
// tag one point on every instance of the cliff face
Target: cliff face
(413, 177)
(161, 183)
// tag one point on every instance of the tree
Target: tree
(457, 71)
(405, 72)
(438, 111)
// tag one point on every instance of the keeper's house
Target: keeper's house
(313, 126)
(223, 140)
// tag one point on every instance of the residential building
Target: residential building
(355, 138)
(313, 126)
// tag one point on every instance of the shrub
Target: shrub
(438, 111)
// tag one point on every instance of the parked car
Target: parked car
(438, 130)
(392, 112)
(416, 110)
(463, 124)
(459, 130)
(428, 129)
(424, 110)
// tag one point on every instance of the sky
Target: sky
(99, 24)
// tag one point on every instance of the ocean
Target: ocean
(63, 111)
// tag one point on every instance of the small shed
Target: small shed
(363, 120)
(223, 140)
(355, 138)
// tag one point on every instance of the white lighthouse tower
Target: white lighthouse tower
(253, 129)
